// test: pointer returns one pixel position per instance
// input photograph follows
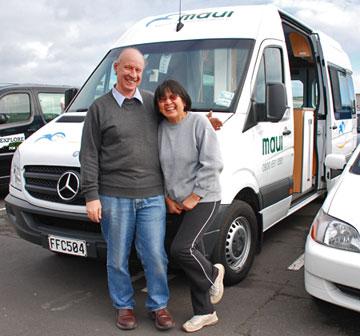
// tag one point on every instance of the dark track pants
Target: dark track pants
(187, 252)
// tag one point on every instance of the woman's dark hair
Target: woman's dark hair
(174, 87)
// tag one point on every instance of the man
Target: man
(123, 188)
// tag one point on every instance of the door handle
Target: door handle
(334, 127)
(286, 132)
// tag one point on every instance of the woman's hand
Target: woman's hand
(215, 122)
(191, 202)
(93, 210)
(173, 207)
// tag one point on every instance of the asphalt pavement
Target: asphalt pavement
(46, 294)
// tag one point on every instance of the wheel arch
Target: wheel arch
(249, 196)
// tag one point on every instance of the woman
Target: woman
(191, 162)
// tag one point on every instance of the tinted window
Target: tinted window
(52, 104)
(15, 108)
(270, 71)
(355, 168)
(343, 93)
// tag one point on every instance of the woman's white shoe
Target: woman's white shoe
(197, 322)
(217, 289)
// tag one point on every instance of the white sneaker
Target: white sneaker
(197, 322)
(217, 289)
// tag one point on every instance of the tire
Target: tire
(237, 242)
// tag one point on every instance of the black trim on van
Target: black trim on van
(70, 119)
(275, 192)
(295, 22)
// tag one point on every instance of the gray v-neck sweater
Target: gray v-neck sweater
(119, 153)
(190, 158)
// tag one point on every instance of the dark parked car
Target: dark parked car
(24, 108)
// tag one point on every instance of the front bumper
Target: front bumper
(34, 224)
(332, 275)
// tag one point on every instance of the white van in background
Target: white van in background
(283, 91)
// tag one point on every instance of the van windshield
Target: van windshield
(212, 71)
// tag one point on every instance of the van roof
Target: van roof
(333, 52)
(258, 22)
(251, 22)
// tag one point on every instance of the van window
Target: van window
(297, 93)
(343, 93)
(273, 65)
(104, 85)
(259, 91)
(51, 104)
(305, 91)
(270, 71)
(14, 108)
(212, 71)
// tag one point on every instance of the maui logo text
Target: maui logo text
(272, 145)
(191, 17)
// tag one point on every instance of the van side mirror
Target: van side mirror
(69, 95)
(276, 105)
(335, 161)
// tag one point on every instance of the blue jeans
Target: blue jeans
(124, 219)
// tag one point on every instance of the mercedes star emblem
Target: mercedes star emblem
(68, 186)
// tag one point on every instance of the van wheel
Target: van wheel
(237, 241)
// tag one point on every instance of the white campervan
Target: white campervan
(283, 91)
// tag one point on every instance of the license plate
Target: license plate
(68, 246)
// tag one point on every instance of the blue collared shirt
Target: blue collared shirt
(120, 98)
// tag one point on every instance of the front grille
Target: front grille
(41, 183)
(68, 224)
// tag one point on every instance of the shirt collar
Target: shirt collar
(120, 98)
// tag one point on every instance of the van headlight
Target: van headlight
(15, 175)
(335, 233)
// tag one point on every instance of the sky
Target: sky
(61, 41)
